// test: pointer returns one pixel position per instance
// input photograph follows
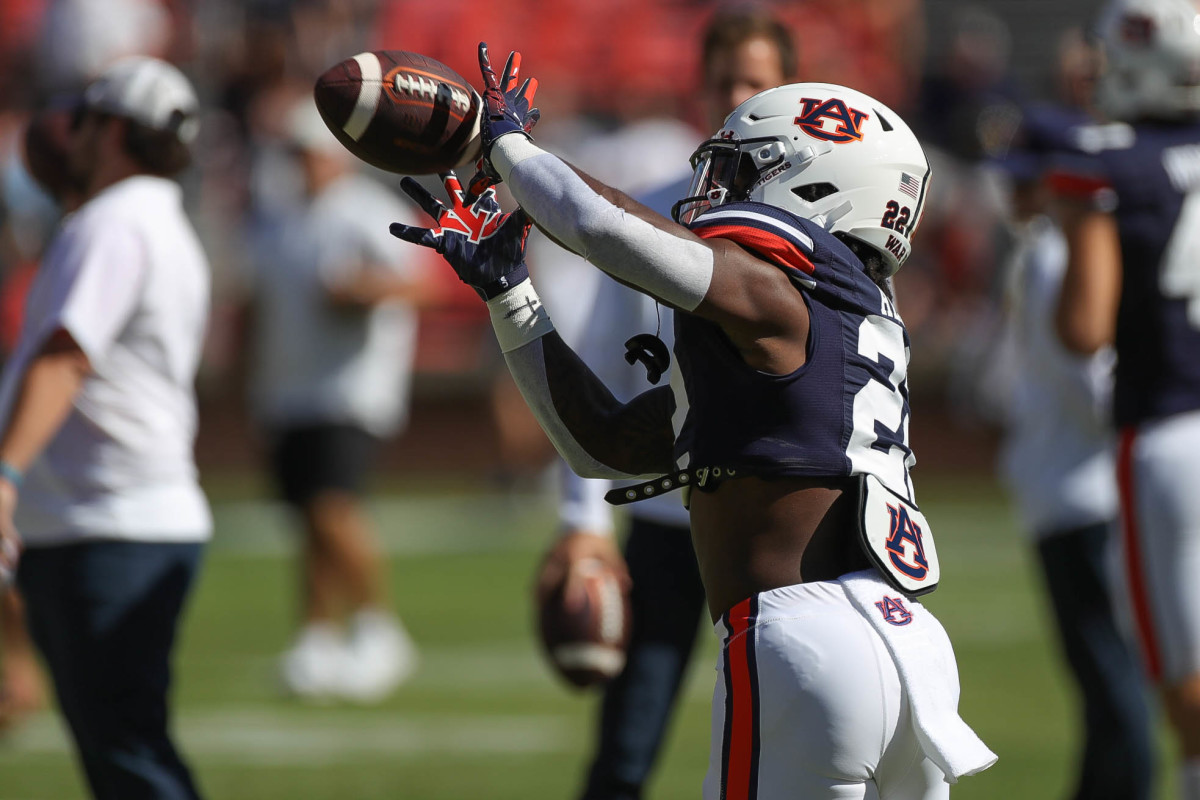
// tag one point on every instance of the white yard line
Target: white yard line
(328, 736)
(407, 525)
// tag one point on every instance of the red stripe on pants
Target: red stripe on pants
(741, 732)
(1134, 567)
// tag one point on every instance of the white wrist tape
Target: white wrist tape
(518, 316)
(632, 250)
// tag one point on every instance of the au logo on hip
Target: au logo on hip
(893, 610)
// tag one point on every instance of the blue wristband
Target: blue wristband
(503, 283)
(11, 474)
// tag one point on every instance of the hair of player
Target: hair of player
(876, 269)
(157, 152)
(730, 27)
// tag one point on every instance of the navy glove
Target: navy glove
(485, 247)
(507, 109)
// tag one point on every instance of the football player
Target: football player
(833, 681)
(1132, 218)
(1057, 462)
(745, 50)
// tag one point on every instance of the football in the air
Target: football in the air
(401, 111)
(587, 645)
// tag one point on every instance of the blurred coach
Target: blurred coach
(99, 418)
(335, 337)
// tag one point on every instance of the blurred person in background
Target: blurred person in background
(98, 423)
(745, 50)
(1057, 461)
(335, 333)
(21, 684)
(969, 85)
(36, 190)
(969, 106)
(1128, 197)
(78, 38)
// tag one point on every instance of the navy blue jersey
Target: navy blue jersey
(845, 412)
(1154, 171)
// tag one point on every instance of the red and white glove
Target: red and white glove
(507, 108)
(485, 246)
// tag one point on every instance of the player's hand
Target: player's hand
(567, 558)
(507, 108)
(485, 246)
(10, 540)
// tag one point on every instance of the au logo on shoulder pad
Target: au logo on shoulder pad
(831, 120)
(896, 536)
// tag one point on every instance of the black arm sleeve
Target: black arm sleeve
(597, 435)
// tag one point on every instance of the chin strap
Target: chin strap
(704, 478)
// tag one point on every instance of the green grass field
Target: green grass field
(483, 718)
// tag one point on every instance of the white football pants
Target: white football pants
(808, 706)
(1158, 473)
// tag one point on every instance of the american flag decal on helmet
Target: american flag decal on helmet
(910, 185)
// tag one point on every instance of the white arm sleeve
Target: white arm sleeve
(676, 270)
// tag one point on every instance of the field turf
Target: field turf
(483, 718)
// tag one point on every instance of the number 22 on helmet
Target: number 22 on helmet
(822, 152)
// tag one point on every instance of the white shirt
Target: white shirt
(127, 278)
(1057, 455)
(318, 363)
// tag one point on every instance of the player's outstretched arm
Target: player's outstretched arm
(752, 301)
(596, 434)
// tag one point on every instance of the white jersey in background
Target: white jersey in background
(317, 362)
(1057, 456)
(127, 278)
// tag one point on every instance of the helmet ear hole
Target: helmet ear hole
(812, 192)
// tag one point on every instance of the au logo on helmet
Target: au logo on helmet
(847, 122)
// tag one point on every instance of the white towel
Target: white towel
(924, 659)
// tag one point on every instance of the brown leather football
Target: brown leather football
(401, 111)
(587, 645)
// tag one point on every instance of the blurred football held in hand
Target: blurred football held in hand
(585, 639)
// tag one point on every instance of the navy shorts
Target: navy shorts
(310, 459)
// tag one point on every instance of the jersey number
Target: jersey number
(1179, 277)
(879, 442)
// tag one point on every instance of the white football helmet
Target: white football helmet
(823, 152)
(1152, 59)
